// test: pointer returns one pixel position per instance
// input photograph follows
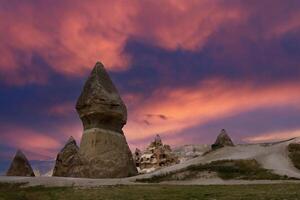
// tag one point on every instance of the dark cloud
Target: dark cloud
(163, 117)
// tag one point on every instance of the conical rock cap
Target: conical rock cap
(20, 166)
(100, 102)
(222, 140)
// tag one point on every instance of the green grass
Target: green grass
(225, 169)
(294, 154)
(154, 192)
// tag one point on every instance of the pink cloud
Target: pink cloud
(273, 136)
(214, 99)
(72, 36)
(38, 145)
(65, 130)
(183, 24)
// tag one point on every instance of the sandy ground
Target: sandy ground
(85, 182)
(271, 156)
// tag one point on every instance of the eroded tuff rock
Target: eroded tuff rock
(99, 105)
(222, 140)
(155, 156)
(68, 161)
(20, 166)
(103, 115)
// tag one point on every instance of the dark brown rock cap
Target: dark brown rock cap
(20, 166)
(222, 140)
(100, 105)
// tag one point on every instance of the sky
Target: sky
(185, 69)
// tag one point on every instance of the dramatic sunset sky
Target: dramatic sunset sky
(185, 69)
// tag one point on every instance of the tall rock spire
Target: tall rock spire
(103, 114)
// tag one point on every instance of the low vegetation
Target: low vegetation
(294, 154)
(153, 192)
(225, 169)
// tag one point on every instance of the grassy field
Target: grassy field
(149, 192)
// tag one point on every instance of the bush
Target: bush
(294, 154)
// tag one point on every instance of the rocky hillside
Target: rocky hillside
(279, 160)
(157, 155)
(190, 151)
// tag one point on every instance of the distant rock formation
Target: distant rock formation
(103, 115)
(190, 151)
(156, 155)
(69, 162)
(20, 166)
(222, 140)
(137, 156)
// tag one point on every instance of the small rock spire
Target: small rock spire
(68, 161)
(222, 140)
(20, 166)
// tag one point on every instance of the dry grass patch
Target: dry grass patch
(294, 154)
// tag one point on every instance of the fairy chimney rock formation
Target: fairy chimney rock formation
(68, 161)
(99, 105)
(103, 115)
(155, 156)
(20, 166)
(222, 140)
